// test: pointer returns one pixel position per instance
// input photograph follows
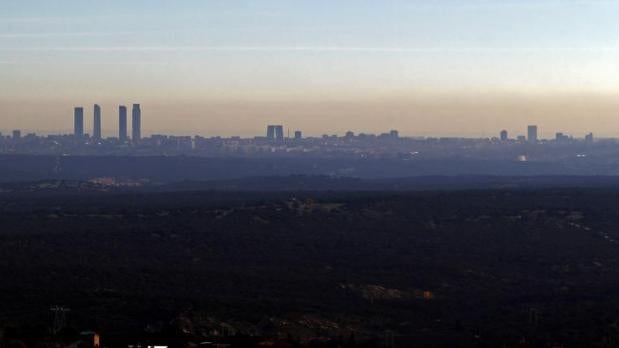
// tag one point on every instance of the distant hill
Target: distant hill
(305, 183)
(180, 168)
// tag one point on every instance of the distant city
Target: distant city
(278, 141)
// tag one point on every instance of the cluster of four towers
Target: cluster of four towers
(136, 123)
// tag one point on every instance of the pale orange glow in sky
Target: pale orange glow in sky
(438, 115)
(442, 68)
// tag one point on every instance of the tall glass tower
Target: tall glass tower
(136, 123)
(96, 128)
(122, 123)
(78, 122)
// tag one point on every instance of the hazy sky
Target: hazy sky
(443, 67)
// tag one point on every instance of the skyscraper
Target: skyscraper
(122, 123)
(136, 123)
(279, 133)
(271, 132)
(78, 122)
(96, 128)
(504, 135)
(532, 134)
(298, 135)
(275, 133)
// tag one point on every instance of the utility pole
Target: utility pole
(389, 339)
(60, 318)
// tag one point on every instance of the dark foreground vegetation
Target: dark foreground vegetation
(489, 268)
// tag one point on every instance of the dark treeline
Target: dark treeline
(461, 268)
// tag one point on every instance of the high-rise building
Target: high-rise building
(589, 138)
(122, 123)
(136, 123)
(16, 134)
(298, 135)
(504, 135)
(532, 134)
(271, 132)
(96, 128)
(279, 134)
(78, 122)
(560, 137)
(275, 133)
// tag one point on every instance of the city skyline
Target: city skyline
(275, 133)
(224, 67)
(118, 125)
